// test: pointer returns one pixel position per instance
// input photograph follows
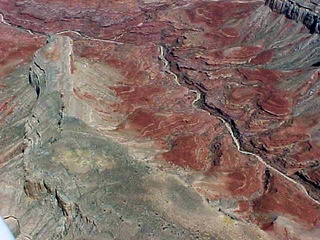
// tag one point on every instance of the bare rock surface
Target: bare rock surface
(159, 120)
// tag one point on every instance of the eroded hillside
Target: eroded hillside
(160, 119)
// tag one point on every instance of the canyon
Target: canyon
(166, 119)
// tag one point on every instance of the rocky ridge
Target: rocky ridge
(71, 197)
(190, 120)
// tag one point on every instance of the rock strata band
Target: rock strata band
(295, 11)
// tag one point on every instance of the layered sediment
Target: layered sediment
(160, 120)
(306, 12)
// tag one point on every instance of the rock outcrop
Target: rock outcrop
(159, 120)
(306, 12)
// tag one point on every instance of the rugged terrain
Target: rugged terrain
(160, 119)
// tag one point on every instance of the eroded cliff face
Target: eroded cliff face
(159, 120)
(306, 12)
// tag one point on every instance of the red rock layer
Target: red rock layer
(17, 48)
(254, 66)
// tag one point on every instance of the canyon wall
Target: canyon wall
(160, 119)
(306, 12)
